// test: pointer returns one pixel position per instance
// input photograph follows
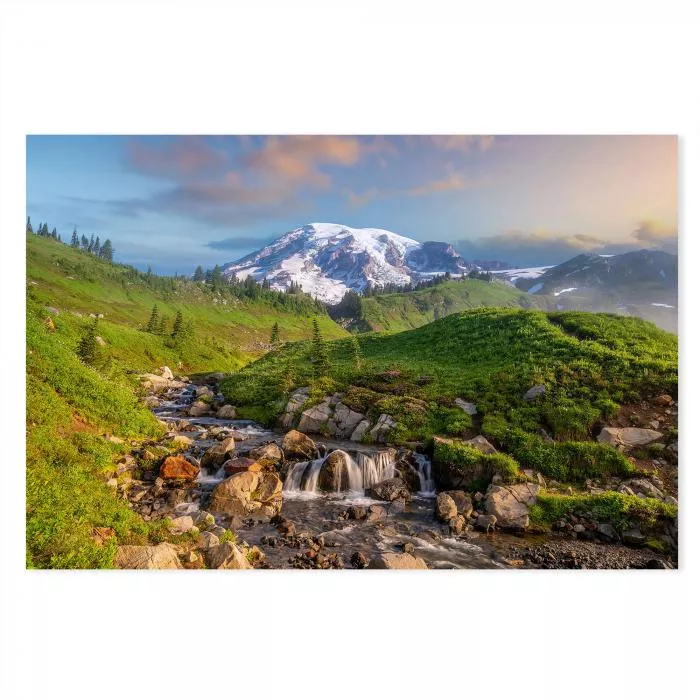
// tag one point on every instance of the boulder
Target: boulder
(486, 522)
(534, 392)
(445, 508)
(162, 556)
(509, 504)
(466, 406)
(375, 513)
(624, 438)
(248, 493)
(296, 401)
(154, 382)
(166, 372)
(181, 524)
(458, 524)
(333, 475)
(151, 402)
(390, 490)
(226, 556)
(204, 390)
(177, 467)
(269, 455)
(360, 430)
(296, 445)
(100, 340)
(645, 487)
(449, 474)
(182, 442)
(241, 464)
(359, 561)
(633, 538)
(463, 502)
(216, 455)
(382, 428)
(392, 560)
(198, 408)
(315, 418)
(344, 421)
(663, 400)
(482, 444)
(227, 412)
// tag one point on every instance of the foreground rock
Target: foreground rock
(226, 556)
(247, 494)
(382, 429)
(242, 464)
(269, 455)
(509, 504)
(334, 475)
(296, 445)
(162, 556)
(390, 490)
(228, 412)
(391, 560)
(215, 456)
(177, 467)
(624, 438)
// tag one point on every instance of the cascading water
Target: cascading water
(423, 469)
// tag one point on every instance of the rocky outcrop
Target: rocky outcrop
(227, 412)
(241, 464)
(296, 401)
(382, 428)
(248, 493)
(296, 445)
(468, 407)
(482, 444)
(344, 421)
(445, 507)
(162, 556)
(269, 455)
(360, 430)
(216, 455)
(177, 467)
(226, 556)
(181, 524)
(462, 501)
(166, 372)
(624, 438)
(316, 418)
(390, 490)
(509, 504)
(391, 560)
(333, 476)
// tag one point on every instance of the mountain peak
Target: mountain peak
(328, 259)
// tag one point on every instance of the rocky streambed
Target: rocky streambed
(238, 495)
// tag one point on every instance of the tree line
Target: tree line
(90, 245)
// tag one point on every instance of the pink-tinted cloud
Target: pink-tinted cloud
(182, 158)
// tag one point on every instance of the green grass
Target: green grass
(406, 310)
(620, 510)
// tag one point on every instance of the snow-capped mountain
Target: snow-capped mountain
(329, 259)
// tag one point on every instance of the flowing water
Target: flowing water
(321, 514)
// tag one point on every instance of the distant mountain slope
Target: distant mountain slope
(405, 310)
(329, 259)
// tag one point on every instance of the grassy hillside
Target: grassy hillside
(589, 363)
(406, 310)
(72, 408)
(228, 331)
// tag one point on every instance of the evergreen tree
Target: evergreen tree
(29, 225)
(319, 353)
(187, 333)
(356, 352)
(149, 272)
(54, 234)
(84, 243)
(107, 252)
(91, 244)
(74, 240)
(177, 325)
(275, 335)
(217, 277)
(198, 274)
(152, 325)
(88, 347)
(97, 248)
(162, 325)
(208, 276)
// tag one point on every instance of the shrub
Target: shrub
(570, 420)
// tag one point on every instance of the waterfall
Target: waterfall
(377, 467)
(423, 468)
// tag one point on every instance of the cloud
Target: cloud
(182, 158)
(461, 143)
(544, 247)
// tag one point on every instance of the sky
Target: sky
(175, 202)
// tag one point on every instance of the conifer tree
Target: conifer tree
(29, 225)
(177, 325)
(217, 276)
(152, 325)
(96, 247)
(319, 353)
(198, 274)
(162, 325)
(74, 240)
(91, 244)
(54, 234)
(275, 335)
(107, 252)
(88, 347)
(84, 243)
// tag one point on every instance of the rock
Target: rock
(166, 372)
(53, 310)
(151, 402)
(360, 430)
(606, 531)
(334, 473)
(248, 493)
(509, 504)
(182, 442)
(663, 400)
(463, 502)
(154, 382)
(375, 513)
(344, 421)
(102, 534)
(216, 455)
(445, 508)
(314, 419)
(391, 560)
(162, 556)
(486, 522)
(408, 547)
(633, 537)
(466, 406)
(482, 444)
(578, 528)
(356, 512)
(226, 556)
(269, 455)
(100, 340)
(654, 424)
(204, 520)
(227, 411)
(198, 408)
(383, 427)
(241, 464)
(628, 437)
(177, 467)
(296, 445)
(390, 490)
(646, 487)
(204, 390)
(458, 524)
(183, 523)
(296, 401)
(534, 392)
(359, 561)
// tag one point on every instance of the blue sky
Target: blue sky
(174, 202)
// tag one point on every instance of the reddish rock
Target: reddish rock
(177, 467)
(241, 464)
(663, 400)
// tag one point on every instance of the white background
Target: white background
(343, 67)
